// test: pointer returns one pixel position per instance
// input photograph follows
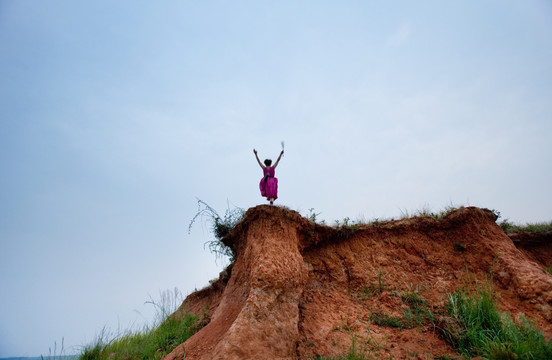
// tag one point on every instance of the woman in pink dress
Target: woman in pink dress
(269, 184)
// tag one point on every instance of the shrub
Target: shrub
(220, 226)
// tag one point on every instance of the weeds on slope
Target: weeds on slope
(472, 324)
(355, 353)
(418, 313)
(151, 343)
(477, 328)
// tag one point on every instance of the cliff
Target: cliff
(298, 289)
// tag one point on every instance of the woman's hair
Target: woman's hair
(268, 162)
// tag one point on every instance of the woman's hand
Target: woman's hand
(279, 157)
(257, 157)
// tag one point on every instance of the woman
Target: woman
(269, 184)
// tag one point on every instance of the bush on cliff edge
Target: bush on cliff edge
(220, 226)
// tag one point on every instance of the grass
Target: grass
(427, 212)
(506, 225)
(312, 216)
(354, 225)
(220, 226)
(152, 342)
(354, 353)
(54, 355)
(373, 289)
(477, 328)
(383, 319)
(417, 314)
(473, 325)
(510, 227)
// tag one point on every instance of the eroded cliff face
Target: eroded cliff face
(299, 289)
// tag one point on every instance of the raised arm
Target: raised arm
(259, 161)
(279, 157)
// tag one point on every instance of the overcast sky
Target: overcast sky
(116, 115)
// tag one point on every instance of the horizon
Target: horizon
(116, 117)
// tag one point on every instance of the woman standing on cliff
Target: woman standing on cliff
(269, 184)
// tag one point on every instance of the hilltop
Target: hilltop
(298, 289)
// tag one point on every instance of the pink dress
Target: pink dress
(269, 188)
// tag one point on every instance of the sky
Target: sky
(116, 116)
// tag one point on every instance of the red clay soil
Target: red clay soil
(537, 246)
(298, 290)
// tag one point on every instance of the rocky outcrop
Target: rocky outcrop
(298, 289)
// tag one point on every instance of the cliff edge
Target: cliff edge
(298, 289)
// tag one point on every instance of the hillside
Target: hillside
(299, 289)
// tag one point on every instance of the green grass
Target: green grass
(419, 313)
(509, 227)
(373, 289)
(354, 353)
(151, 344)
(412, 299)
(477, 328)
(383, 319)
(416, 315)
(427, 212)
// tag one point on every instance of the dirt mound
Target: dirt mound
(299, 289)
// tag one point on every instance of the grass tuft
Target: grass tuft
(355, 353)
(383, 319)
(476, 328)
(427, 212)
(413, 300)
